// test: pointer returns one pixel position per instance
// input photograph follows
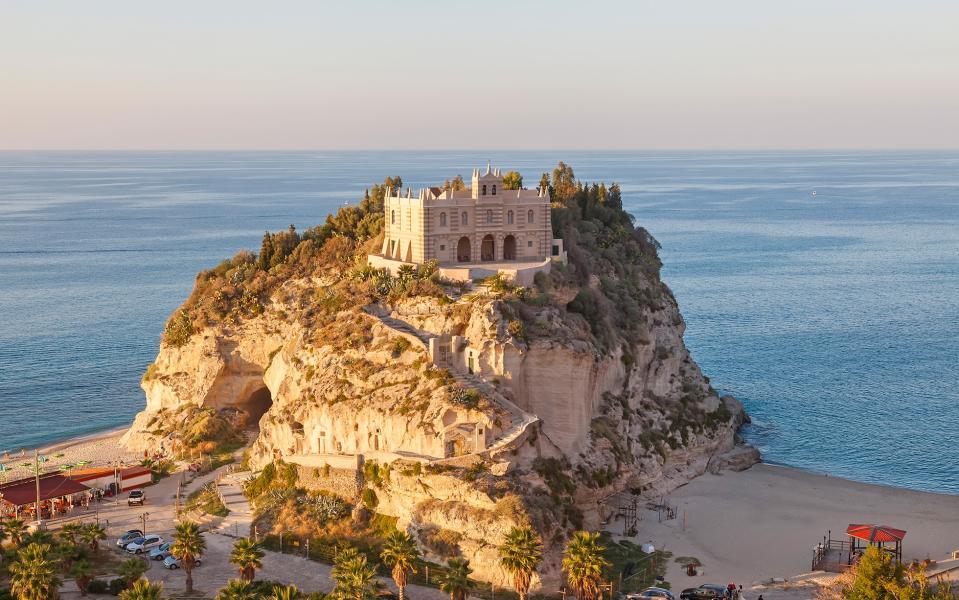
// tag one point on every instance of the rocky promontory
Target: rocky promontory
(580, 390)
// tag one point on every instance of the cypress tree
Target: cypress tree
(266, 252)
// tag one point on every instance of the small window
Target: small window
(442, 246)
(484, 189)
(442, 219)
(393, 217)
(489, 217)
(529, 244)
(465, 219)
(529, 216)
(509, 217)
(494, 189)
(555, 250)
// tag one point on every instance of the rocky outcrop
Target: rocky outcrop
(631, 415)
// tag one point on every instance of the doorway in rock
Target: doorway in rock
(256, 406)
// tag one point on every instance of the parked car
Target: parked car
(141, 545)
(172, 562)
(652, 593)
(128, 537)
(161, 551)
(707, 591)
(136, 498)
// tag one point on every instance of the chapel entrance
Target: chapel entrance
(488, 248)
(509, 248)
(463, 250)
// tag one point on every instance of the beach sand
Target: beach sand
(102, 449)
(764, 522)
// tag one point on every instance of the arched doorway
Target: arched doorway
(509, 248)
(463, 250)
(487, 248)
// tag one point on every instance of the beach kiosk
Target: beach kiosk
(886, 538)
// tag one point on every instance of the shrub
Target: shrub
(443, 542)
(465, 397)
(178, 330)
(98, 586)
(369, 499)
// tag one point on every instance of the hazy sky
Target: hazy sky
(204, 74)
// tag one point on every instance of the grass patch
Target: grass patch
(207, 500)
(636, 569)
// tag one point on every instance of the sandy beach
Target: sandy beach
(764, 522)
(101, 449)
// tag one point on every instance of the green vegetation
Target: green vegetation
(401, 554)
(248, 557)
(189, 546)
(512, 180)
(584, 563)
(207, 500)
(630, 565)
(520, 555)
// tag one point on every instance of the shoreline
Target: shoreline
(100, 448)
(752, 526)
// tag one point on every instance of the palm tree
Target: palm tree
(520, 555)
(286, 592)
(39, 537)
(131, 570)
(82, 573)
(401, 553)
(355, 578)
(34, 574)
(92, 534)
(142, 589)
(583, 564)
(71, 531)
(3, 538)
(15, 529)
(188, 546)
(247, 556)
(456, 581)
(67, 553)
(238, 589)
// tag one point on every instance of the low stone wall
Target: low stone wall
(339, 474)
(346, 483)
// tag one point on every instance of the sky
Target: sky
(644, 74)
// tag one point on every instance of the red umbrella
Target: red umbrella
(876, 533)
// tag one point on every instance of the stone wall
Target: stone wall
(346, 483)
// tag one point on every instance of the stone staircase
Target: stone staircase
(520, 420)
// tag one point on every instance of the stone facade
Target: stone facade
(481, 226)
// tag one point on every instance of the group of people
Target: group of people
(734, 592)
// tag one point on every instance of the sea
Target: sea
(820, 288)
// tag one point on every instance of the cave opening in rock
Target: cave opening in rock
(256, 406)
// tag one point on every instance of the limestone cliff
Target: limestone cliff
(496, 405)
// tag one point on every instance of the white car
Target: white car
(147, 542)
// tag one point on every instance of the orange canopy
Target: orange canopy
(876, 533)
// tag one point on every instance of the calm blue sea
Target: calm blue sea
(834, 317)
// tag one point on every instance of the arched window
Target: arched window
(442, 219)
(484, 189)
(489, 217)
(393, 217)
(494, 189)
(529, 216)
(509, 217)
(465, 219)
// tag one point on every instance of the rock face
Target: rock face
(555, 425)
